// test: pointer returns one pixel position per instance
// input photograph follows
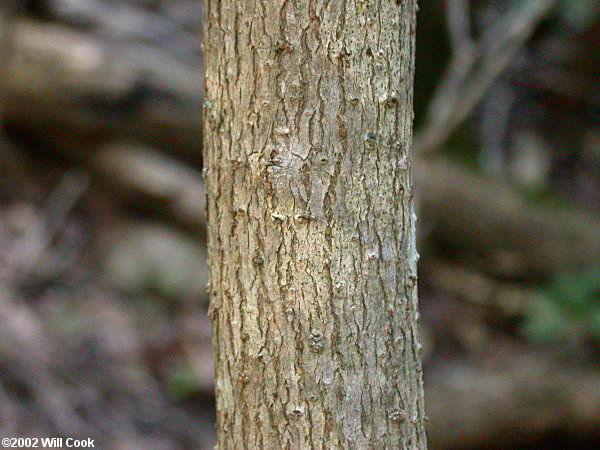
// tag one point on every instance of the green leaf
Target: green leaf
(182, 381)
(545, 322)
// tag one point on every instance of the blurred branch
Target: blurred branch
(66, 88)
(459, 25)
(474, 67)
(476, 288)
(508, 400)
(140, 174)
(511, 237)
(118, 18)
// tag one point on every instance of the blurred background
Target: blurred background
(103, 327)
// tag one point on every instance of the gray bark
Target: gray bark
(308, 131)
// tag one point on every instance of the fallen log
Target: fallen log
(141, 175)
(508, 236)
(477, 289)
(507, 402)
(69, 89)
(176, 32)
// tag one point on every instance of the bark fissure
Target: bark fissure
(312, 275)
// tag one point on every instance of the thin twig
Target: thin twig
(474, 69)
(459, 24)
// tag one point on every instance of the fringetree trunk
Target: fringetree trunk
(307, 155)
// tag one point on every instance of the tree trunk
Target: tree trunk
(312, 232)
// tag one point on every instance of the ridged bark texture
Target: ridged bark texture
(311, 227)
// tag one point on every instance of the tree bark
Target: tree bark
(308, 131)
